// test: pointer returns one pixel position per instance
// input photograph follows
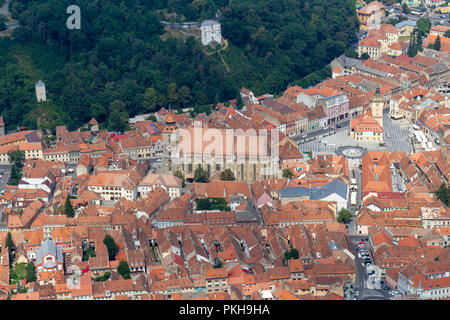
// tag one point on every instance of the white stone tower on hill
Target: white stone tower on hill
(211, 33)
(40, 91)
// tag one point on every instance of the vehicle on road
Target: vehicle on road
(353, 198)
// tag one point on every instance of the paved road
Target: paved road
(362, 277)
(6, 169)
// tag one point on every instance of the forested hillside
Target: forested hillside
(119, 64)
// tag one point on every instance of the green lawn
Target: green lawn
(19, 272)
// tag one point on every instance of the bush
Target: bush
(124, 269)
(344, 216)
(103, 277)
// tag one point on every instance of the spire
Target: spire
(170, 119)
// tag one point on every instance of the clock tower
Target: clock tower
(169, 144)
(376, 106)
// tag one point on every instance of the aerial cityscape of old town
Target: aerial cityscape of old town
(332, 189)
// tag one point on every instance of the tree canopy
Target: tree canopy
(31, 272)
(292, 253)
(286, 173)
(443, 194)
(123, 269)
(201, 175)
(123, 62)
(112, 247)
(16, 157)
(437, 43)
(212, 204)
(180, 175)
(423, 25)
(344, 215)
(227, 175)
(68, 208)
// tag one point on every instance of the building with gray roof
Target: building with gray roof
(49, 256)
(335, 190)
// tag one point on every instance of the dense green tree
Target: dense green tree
(364, 56)
(68, 208)
(184, 94)
(412, 49)
(31, 272)
(271, 44)
(212, 204)
(11, 248)
(217, 263)
(2, 23)
(112, 247)
(443, 194)
(351, 53)
(201, 175)
(286, 173)
(227, 175)
(123, 269)
(173, 95)
(103, 277)
(437, 43)
(99, 112)
(89, 252)
(419, 41)
(180, 175)
(344, 216)
(17, 157)
(10, 242)
(423, 25)
(117, 120)
(292, 253)
(150, 102)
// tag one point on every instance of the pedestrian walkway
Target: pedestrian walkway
(396, 138)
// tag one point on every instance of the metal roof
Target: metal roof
(316, 193)
(49, 247)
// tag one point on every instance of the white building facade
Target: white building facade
(211, 32)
